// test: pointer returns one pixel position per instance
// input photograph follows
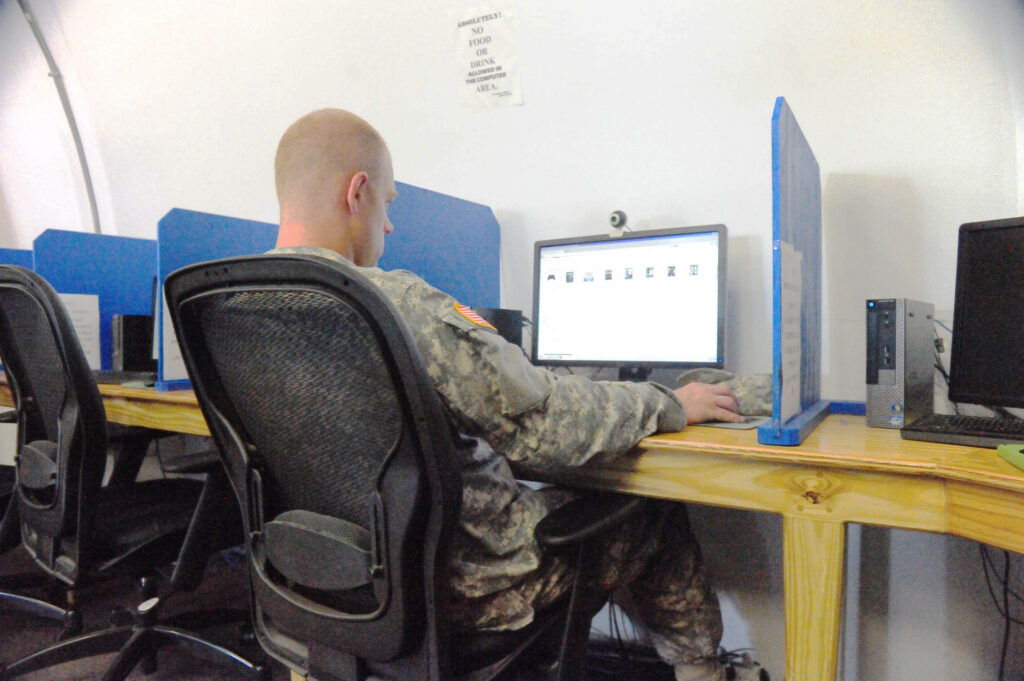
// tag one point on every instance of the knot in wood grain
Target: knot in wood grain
(815, 491)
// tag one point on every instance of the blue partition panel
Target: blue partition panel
(186, 237)
(454, 245)
(16, 256)
(796, 222)
(120, 270)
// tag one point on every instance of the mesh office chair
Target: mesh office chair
(14, 587)
(77, 530)
(339, 449)
(129, 444)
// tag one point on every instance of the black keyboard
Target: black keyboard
(974, 431)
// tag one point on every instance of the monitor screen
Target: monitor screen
(987, 358)
(645, 300)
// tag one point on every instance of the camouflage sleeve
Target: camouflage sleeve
(753, 391)
(527, 413)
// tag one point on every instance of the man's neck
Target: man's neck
(293, 234)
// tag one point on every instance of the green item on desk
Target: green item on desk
(1012, 453)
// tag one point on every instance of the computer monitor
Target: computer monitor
(644, 300)
(987, 357)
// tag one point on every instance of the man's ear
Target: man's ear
(355, 192)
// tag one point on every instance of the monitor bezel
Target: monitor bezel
(719, 229)
(957, 371)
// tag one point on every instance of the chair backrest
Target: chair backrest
(62, 436)
(338, 449)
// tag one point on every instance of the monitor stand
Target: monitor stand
(634, 374)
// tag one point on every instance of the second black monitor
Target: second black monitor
(987, 358)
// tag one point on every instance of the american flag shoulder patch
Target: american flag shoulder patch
(472, 316)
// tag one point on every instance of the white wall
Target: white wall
(915, 110)
(40, 183)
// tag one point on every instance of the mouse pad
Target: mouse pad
(751, 422)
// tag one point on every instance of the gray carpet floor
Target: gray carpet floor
(224, 586)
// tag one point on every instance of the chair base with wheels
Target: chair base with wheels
(12, 598)
(137, 643)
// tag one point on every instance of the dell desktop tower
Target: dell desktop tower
(900, 361)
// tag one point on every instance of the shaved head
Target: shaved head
(317, 151)
(334, 185)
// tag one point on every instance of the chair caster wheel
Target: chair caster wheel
(72, 625)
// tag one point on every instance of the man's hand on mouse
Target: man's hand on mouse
(709, 402)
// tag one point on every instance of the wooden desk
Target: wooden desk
(843, 472)
(175, 410)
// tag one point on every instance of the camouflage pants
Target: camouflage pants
(652, 564)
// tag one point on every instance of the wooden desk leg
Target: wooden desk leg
(813, 573)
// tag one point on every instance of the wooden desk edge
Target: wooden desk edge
(980, 466)
(176, 411)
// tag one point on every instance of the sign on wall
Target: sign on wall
(486, 56)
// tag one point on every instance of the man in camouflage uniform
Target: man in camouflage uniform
(334, 183)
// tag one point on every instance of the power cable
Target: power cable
(1002, 604)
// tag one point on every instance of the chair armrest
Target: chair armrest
(196, 462)
(586, 517)
(9, 416)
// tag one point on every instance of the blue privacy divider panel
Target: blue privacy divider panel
(186, 237)
(796, 222)
(16, 256)
(853, 408)
(120, 270)
(453, 244)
